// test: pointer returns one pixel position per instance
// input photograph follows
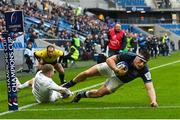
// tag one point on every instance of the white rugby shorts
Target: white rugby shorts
(112, 82)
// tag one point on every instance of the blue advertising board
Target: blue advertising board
(14, 21)
(138, 9)
(10, 72)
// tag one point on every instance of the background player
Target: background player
(51, 56)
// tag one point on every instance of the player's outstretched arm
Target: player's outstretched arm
(111, 61)
(53, 86)
(24, 85)
(151, 93)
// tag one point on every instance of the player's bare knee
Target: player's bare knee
(61, 71)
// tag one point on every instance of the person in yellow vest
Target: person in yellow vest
(51, 56)
(78, 11)
(72, 55)
(166, 45)
(129, 46)
(45, 6)
(76, 41)
(165, 37)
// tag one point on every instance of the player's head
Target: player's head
(50, 50)
(117, 27)
(141, 58)
(29, 44)
(48, 70)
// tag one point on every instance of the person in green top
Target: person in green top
(129, 44)
(76, 41)
(72, 55)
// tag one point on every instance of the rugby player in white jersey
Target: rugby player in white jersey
(44, 89)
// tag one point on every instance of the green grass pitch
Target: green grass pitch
(129, 101)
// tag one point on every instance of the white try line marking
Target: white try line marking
(164, 65)
(33, 104)
(103, 108)
(20, 108)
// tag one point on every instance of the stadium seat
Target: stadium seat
(1, 45)
(20, 45)
(125, 3)
(15, 45)
(176, 32)
(37, 21)
(172, 27)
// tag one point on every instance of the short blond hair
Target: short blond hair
(47, 68)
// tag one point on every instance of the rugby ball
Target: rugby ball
(69, 98)
(122, 64)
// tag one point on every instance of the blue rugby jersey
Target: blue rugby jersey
(132, 71)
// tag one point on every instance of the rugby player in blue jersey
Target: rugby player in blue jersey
(133, 66)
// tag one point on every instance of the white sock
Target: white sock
(87, 94)
(24, 85)
(17, 82)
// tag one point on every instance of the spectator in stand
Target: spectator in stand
(31, 35)
(78, 11)
(117, 40)
(96, 39)
(88, 50)
(45, 4)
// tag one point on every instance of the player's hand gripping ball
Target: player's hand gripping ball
(122, 68)
(69, 98)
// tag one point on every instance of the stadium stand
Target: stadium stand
(172, 27)
(1, 45)
(126, 3)
(45, 25)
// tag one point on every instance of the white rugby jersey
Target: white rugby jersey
(43, 87)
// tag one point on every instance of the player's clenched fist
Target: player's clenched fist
(154, 104)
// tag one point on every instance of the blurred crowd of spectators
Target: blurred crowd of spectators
(95, 29)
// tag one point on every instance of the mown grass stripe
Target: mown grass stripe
(104, 108)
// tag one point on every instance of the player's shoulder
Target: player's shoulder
(130, 54)
(40, 51)
(40, 77)
(38, 73)
(58, 52)
(43, 51)
(145, 69)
